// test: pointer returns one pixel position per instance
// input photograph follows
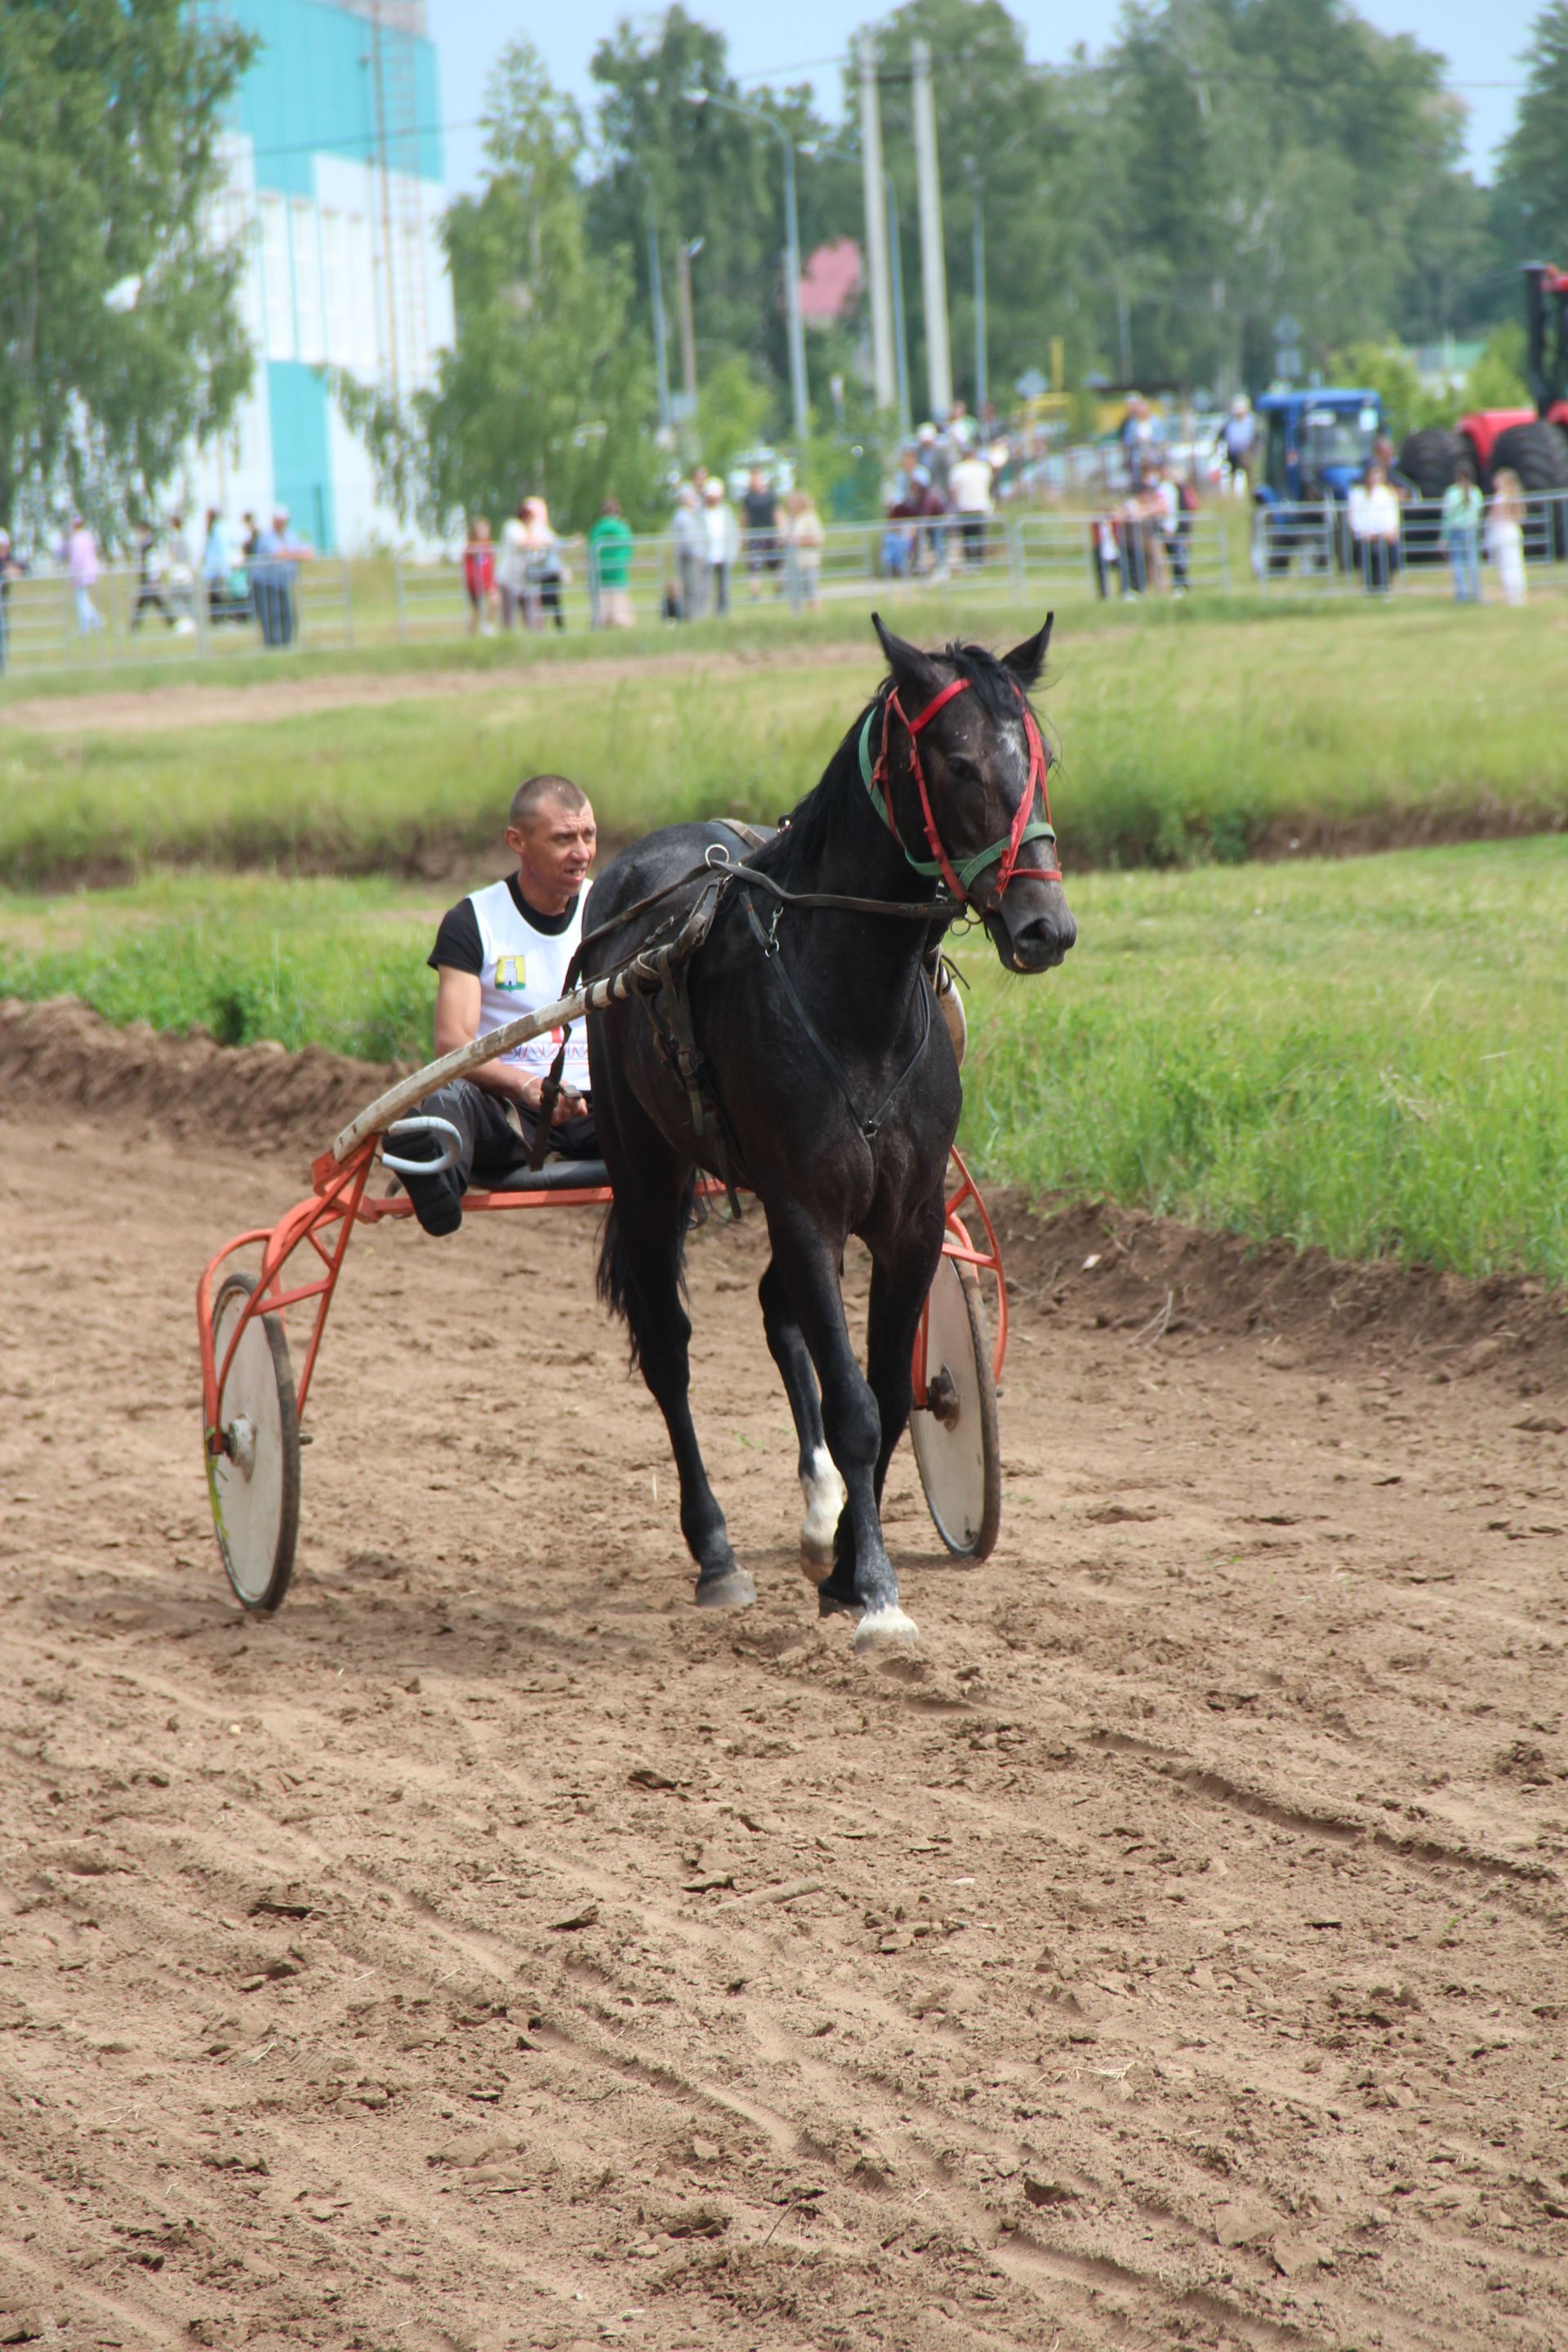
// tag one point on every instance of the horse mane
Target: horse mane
(994, 688)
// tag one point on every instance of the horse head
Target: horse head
(962, 773)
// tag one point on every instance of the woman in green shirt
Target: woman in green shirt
(610, 552)
(1461, 541)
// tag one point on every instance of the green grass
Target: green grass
(1184, 738)
(1372, 1055)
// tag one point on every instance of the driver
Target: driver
(499, 953)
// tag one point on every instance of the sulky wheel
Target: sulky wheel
(954, 1428)
(254, 1480)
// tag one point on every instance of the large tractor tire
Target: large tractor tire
(1538, 454)
(1429, 457)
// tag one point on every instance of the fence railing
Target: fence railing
(1312, 546)
(332, 604)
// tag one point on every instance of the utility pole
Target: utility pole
(799, 398)
(685, 253)
(982, 362)
(884, 383)
(933, 269)
(660, 338)
(901, 333)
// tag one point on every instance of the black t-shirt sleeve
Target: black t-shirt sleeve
(457, 942)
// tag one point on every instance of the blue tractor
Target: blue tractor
(1317, 443)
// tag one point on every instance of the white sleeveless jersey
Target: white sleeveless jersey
(522, 972)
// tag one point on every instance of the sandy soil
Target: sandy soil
(161, 709)
(492, 1951)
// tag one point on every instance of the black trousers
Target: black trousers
(490, 1147)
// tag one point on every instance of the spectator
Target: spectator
(215, 566)
(1374, 514)
(181, 579)
(1237, 438)
(9, 570)
(722, 539)
(969, 488)
(249, 535)
(511, 566)
(690, 534)
(1463, 509)
(274, 568)
(1505, 534)
(803, 537)
(760, 521)
(610, 550)
(81, 560)
(1175, 522)
(480, 577)
(1141, 436)
(149, 594)
(546, 574)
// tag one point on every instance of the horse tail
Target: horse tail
(615, 1281)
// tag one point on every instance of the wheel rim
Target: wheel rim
(956, 1452)
(254, 1483)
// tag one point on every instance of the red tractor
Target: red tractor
(1532, 443)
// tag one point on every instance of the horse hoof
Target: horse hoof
(817, 1549)
(732, 1589)
(886, 1629)
(833, 1602)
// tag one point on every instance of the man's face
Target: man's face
(555, 850)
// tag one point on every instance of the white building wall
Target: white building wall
(317, 290)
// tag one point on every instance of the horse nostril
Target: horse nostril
(1042, 943)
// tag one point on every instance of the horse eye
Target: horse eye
(962, 769)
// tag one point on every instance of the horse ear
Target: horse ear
(1027, 660)
(915, 674)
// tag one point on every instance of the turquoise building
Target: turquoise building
(335, 189)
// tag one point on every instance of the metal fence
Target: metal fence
(332, 604)
(1312, 546)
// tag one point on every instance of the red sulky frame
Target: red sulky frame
(338, 1202)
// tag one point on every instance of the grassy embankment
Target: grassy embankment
(1370, 1054)
(1199, 739)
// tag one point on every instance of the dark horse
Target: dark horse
(829, 1088)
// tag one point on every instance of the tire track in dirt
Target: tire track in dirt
(1182, 1945)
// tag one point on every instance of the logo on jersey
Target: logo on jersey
(510, 971)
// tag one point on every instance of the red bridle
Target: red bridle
(1025, 827)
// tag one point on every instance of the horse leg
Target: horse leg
(862, 1577)
(820, 1483)
(902, 1276)
(639, 1277)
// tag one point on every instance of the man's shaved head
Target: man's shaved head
(556, 791)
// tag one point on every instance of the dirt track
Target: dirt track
(1175, 1954)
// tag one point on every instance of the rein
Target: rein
(1025, 827)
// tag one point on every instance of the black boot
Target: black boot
(437, 1199)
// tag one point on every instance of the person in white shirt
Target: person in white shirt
(1505, 534)
(723, 541)
(511, 565)
(1374, 515)
(969, 482)
(499, 953)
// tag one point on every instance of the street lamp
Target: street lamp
(685, 253)
(798, 395)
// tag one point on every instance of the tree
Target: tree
(703, 172)
(1008, 138)
(1266, 159)
(547, 387)
(120, 334)
(1533, 178)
